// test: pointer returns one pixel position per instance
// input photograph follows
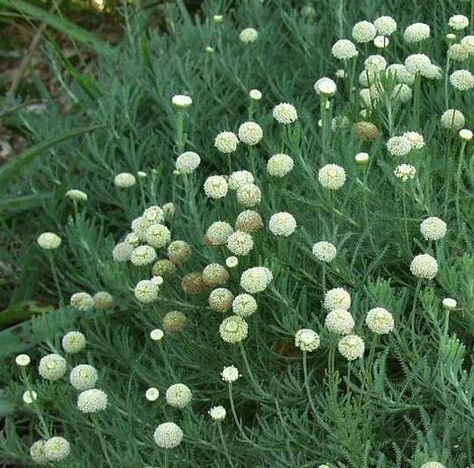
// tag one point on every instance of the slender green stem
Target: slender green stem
(34, 404)
(348, 381)
(103, 445)
(306, 384)
(373, 346)
(234, 415)
(446, 322)
(165, 360)
(256, 385)
(166, 463)
(446, 76)
(459, 183)
(180, 130)
(417, 99)
(324, 277)
(413, 311)
(55, 278)
(331, 359)
(226, 451)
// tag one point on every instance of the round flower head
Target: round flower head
(402, 93)
(92, 401)
(233, 329)
(432, 72)
(22, 360)
(124, 180)
(424, 266)
(141, 174)
(462, 80)
(416, 32)
(232, 261)
(83, 377)
(385, 25)
(465, 134)
(324, 251)
(351, 347)
(240, 243)
(180, 101)
(152, 394)
(218, 233)
(256, 279)
(139, 227)
(366, 131)
(249, 221)
(103, 300)
(52, 367)
(217, 413)
(146, 291)
(279, 165)
(168, 435)
(174, 321)
(399, 146)
(156, 334)
(239, 178)
(122, 252)
(344, 49)
(453, 119)
(285, 113)
(164, 267)
(340, 73)
(325, 87)
(337, 298)
(381, 42)
(244, 305)
(458, 22)
(215, 275)
(255, 94)
(143, 255)
(76, 195)
(307, 340)
(249, 195)
(37, 452)
(363, 32)
(332, 176)
(468, 43)
(449, 303)
(250, 133)
(230, 374)
(56, 449)
(282, 224)
(187, 162)
(49, 241)
(215, 187)
(157, 235)
(179, 252)
(416, 139)
(154, 214)
(248, 35)
(339, 321)
(73, 342)
(380, 321)
(433, 464)
(220, 299)
(226, 142)
(458, 53)
(178, 395)
(29, 396)
(433, 228)
(405, 172)
(401, 74)
(417, 63)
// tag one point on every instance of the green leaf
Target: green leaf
(26, 202)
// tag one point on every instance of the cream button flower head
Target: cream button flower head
(56, 449)
(416, 139)
(168, 435)
(152, 394)
(465, 134)
(458, 22)
(157, 236)
(187, 162)
(92, 401)
(418, 63)
(424, 266)
(231, 262)
(282, 224)
(249, 221)
(73, 342)
(385, 25)
(248, 35)
(230, 374)
(76, 195)
(449, 303)
(240, 243)
(380, 321)
(218, 233)
(462, 80)
(362, 158)
(22, 360)
(52, 367)
(433, 464)
(324, 251)
(217, 413)
(124, 180)
(122, 252)
(332, 176)
(103, 300)
(49, 241)
(250, 133)
(339, 321)
(343, 49)
(233, 329)
(433, 228)
(29, 396)
(453, 119)
(279, 165)
(285, 113)
(256, 279)
(226, 142)
(249, 195)
(83, 377)
(363, 31)
(255, 94)
(156, 334)
(325, 87)
(143, 255)
(337, 298)
(146, 291)
(180, 101)
(37, 452)
(239, 178)
(215, 187)
(218, 19)
(307, 340)
(178, 396)
(220, 299)
(399, 146)
(416, 32)
(244, 305)
(405, 172)
(351, 347)
(381, 42)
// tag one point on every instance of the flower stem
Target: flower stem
(306, 384)
(226, 451)
(55, 278)
(180, 130)
(413, 311)
(103, 445)
(459, 183)
(256, 385)
(234, 415)
(42, 422)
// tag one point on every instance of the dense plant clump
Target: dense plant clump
(266, 257)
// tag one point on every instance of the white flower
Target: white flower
(217, 413)
(416, 32)
(465, 134)
(29, 396)
(256, 279)
(458, 53)
(282, 224)
(402, 93)
(92, 401)
(76, 195)
(380, 321)
(103, 300)
(432, 72)
(249, 221)
(449, 303)
(249, 195)
(399, 146)
(239, 178)
(37, 452)
(453, 119)
(152, 394)
(124, 180)
(215, 187)
(82, 301)
(73, 342)
(230, 374)
(220, 299)
(146, 291)
(154, 214)
(325, 87)
(363, 31)
(344, 49)
(433, 464)
(468, 43)
(49, 241)
(279, 165)
(417, 63)
(324, 251)
(337, 298)
(362, 158)
(248, 35)
(375, 64)
(141, 174)
(332, 176)
(385, 25)
(143, 255)
(416, 139)
(218, 19)
(240, 243)
(168, 435)
(307, 340)
(405, 172)
(22, 360)
(424, 266)
(178, 395)
(402, 75)
(231, 262)
(285, 113)
(122, 252)
(433, 228)
(56, 449)
(458, 22)
(218, 233)
(187, 162)
(250, 133)
(181, 101)
(462, 80)
(156, 334)
(226, 142)
(339, 321)
(52, 367)
(157, 236)
(233, 329)
(83, 377)
(351, 347)
(381, 42)
(244, 305)
(255, 94)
